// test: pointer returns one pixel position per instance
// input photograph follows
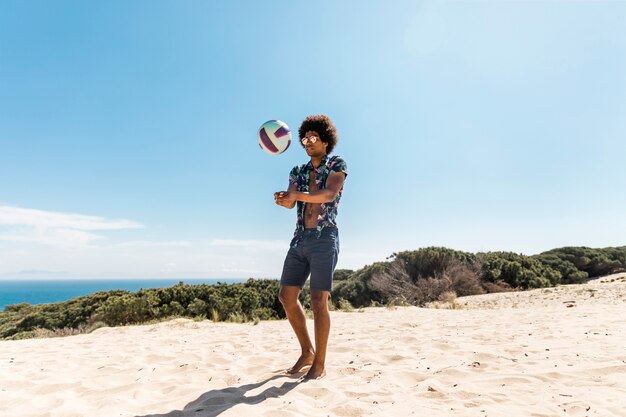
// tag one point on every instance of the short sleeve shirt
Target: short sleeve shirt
(299, 176)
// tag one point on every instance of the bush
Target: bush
(396, 286)
(357, 289)
(447, 297)
(125, 309)
(574, 262)
(254, 300)
(518, 271)
(393, 284)
(198, 308)
(344, 305)
(464, 278)
(342, 274)
(432, 261)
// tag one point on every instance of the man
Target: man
(316, 188)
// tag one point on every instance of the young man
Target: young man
(316, 188)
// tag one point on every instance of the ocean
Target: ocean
(52, 291)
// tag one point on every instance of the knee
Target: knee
(288, 298)
(319, 302)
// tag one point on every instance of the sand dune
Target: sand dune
(549, 352)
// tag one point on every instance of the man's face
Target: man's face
(314, 149)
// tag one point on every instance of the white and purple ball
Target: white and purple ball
(274, 137)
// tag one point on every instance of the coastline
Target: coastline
(48, 291)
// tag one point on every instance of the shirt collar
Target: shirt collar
(309, 165)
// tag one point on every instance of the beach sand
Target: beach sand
(547, 352)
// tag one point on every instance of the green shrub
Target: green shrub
(518, 271)
(432, 261)
(125, 309)
(342, 274)
(198, 308)
(574, 262)
(344, 305)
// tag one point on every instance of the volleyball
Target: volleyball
(274, 137)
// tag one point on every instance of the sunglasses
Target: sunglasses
(311, 139)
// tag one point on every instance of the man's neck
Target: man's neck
(316, 161)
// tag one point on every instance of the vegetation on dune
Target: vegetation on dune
(576, 264)
(409, 277)
(249, 301)
(425, 275)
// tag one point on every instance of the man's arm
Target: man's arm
(334, 182)
(281, 197)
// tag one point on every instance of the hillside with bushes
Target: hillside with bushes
(409, 277)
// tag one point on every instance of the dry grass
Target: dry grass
(398, 288)
(66, 331)
(344, 305)
(447, 297)
(215, 315)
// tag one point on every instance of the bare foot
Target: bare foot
(316, 372)
(306, 359)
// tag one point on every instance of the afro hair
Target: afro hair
(324, 127)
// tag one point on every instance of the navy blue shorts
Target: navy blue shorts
(315, 256)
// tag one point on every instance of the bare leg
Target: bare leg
(295, 313)
(319, 303)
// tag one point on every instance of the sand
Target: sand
(550, 352)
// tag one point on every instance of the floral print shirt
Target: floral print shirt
(299, 176)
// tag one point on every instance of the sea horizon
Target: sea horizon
(45, 291)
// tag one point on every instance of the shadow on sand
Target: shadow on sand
(215, 402)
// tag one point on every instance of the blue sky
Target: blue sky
(128, 130)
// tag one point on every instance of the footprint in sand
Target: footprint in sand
(348, 371)
(347, 411)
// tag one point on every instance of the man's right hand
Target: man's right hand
(285, 199)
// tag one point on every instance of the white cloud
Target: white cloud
(17, 216)
(242, 271)
(66, 230)
(52, 237)
(250, 244)
(154, 244)
(54, 241)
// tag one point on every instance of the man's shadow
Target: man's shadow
(215, 402)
